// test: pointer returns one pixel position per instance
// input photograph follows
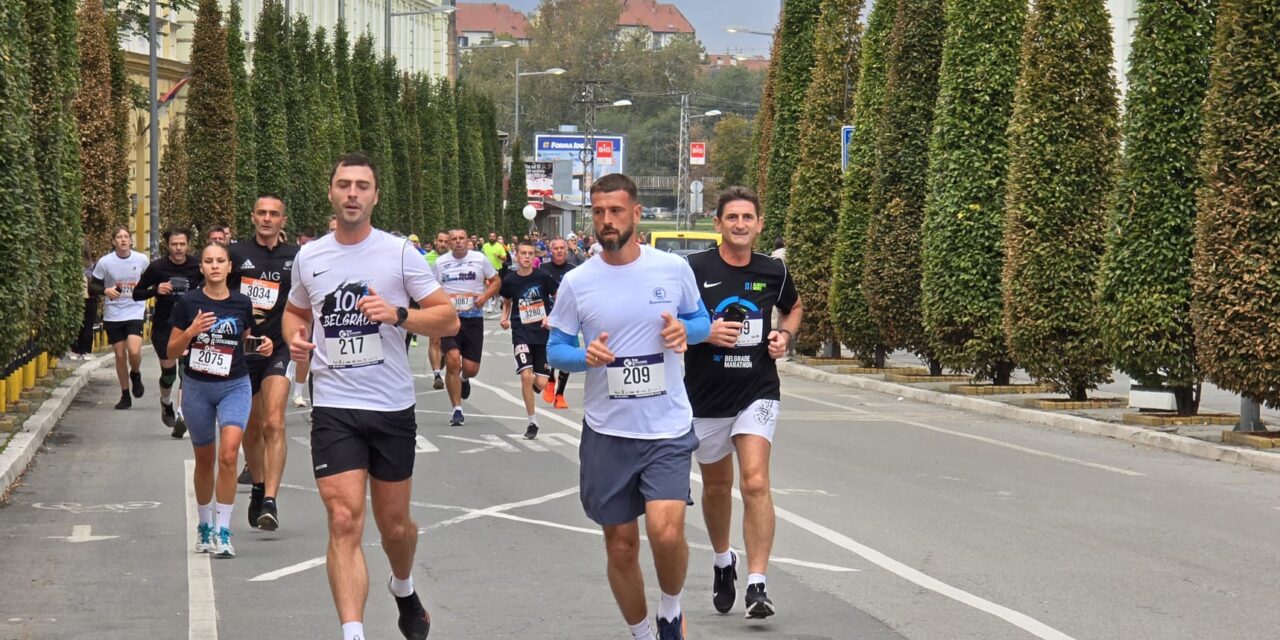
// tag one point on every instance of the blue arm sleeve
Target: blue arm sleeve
(697, 324)
(564, 352)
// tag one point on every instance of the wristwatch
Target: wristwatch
(402, 314)
(786, 332)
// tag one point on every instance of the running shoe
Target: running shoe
(224, 548)
(255, 507)
(723, 590)
(168, 415)
(204, 538)
(531, 432)
(245, 477)
(671, 629)
(457, 419)
(560, 402)
(135, 381)
(179, 428)
(438, 384)
(466, 388)
(298, 400)
(414, 621)
(125, 401)
(549, 392)
(759, 606)
(268, 518)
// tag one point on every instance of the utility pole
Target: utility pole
(587, 97)
(153, 168)
(682, 170)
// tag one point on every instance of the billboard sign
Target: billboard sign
(539, 179)
(604, 153)
(550, 147)
(697, 153)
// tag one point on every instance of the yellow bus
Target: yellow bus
(683, 242)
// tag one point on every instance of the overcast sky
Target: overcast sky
(710, 17)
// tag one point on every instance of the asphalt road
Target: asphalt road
(896, 519)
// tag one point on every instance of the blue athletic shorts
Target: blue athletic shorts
(619, 475)
(206, 406)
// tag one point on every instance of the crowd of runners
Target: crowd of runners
(677, 355)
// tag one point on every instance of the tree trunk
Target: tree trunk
(1187, 398)
(879, 357)
(1003, 370)
(935, 367)
(1079, 393)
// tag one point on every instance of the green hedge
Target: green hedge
(211, 122)
(1063, 139)
(1235, 309)
(19, 217)
(271, 120)
(961, 251)
(246, 129)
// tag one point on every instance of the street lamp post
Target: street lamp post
(682, 168)
(736, 29)
(554, 71)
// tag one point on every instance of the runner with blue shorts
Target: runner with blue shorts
(212, 324)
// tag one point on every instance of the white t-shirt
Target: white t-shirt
(463, 279)
(359, 364)
(113, 270)
(641, 395)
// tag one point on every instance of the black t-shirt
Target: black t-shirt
(532, 297)
(182, 277)
(557, 271)
(722, 382)
(217, 354)
(264, 275)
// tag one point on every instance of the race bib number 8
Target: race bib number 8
(262, 293)
(351, 348)
(637, 377)
(532, 312)
(214, 360)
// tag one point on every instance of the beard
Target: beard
(617, 242)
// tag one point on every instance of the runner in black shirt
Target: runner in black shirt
(732, 381)
(527, 297)
(262, 268)
(557, 266)
(166, 280)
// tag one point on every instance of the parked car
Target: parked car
(662, 213)
(683, 243)
(647, 214)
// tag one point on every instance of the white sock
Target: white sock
(166, 400)
(206, 513)
(641, 631)
(457, 407)
(436, 372)
(724, 559)
(224, 515)
(402, 588)
(755, 578)
(533, 418)
(353, 631)
(299, 388)
(462, 376)
(669, 607)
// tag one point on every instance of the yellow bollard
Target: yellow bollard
(53, 363)
(4, 396)
(29, 375)
(42, 365)
(15, 386)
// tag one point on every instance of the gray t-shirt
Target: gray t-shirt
(125, 272)
(359, 364)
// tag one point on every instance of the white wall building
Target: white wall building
(1124, 20)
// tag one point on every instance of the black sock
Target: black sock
(266, 499)
(259, 488)
(562, 381)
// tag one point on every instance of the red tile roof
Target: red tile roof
(491, 17)
(655, 16)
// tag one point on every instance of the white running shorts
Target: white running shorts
(715, 435)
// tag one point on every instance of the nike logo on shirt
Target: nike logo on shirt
(317, 274)
(708, 285)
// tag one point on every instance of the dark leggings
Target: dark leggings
(562, 381)
(84, 342)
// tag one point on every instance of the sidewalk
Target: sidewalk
(1202, 441)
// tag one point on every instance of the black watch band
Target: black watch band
(402, 314)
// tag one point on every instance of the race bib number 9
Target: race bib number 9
(637, 377)
(262, 293)
(463, 302)
(752, 330)
(214, 360)
(532, 311)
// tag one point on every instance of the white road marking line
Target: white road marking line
(991, 441)
(424, 445)
(479, 513)
(202, 611)
(829, 404)
(1015, 618)
(487, 442)
(289, 570)
(554, 439)
(532, 445)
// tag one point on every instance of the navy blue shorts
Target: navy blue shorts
(208, 406)
(620, 475)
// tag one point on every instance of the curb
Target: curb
(26, 442)
(1136, 435)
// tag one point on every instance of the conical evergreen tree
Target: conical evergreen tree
(517, 194)
(411, 137)
(371, 107)
(964, 213)
(492, 163)
(246, 132)
(305, 204)
(848, 307)
(762, 129)
(346, 93)
(59, 312)
(815, 190)
(1237, 256)
(429, 124)
(211, 122)
(449, 140)
(98, 212)
(891, 264)
(795, 67)
(122, 113)
(328, 140)
(400, 168)
(1063, 139)
(1145, 287)
(471, 180)
(19, 218)
(173, 182)
(270, 117)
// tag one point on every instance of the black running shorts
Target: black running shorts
(277, 364)
(470, 339)
(160, 340)
(532, 356)
(117, 331)
(382, 442)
